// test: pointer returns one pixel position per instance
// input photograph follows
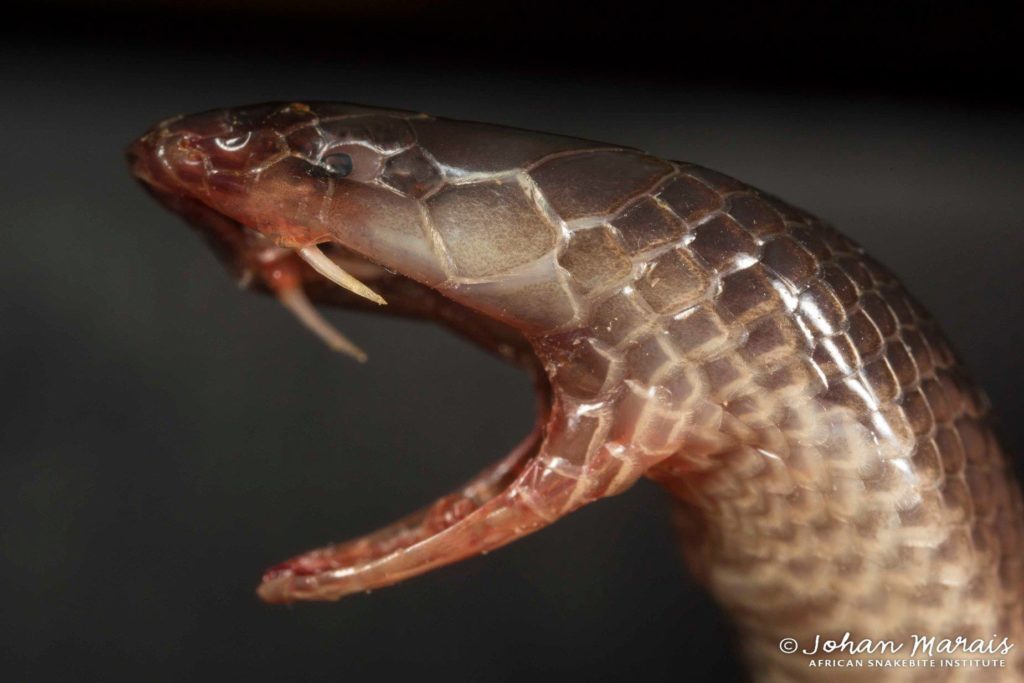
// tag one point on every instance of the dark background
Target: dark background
(166, 437)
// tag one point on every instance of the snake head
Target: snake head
(458, 222)
(453, 206)
(295, 175)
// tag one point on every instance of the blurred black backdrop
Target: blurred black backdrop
(165, 437)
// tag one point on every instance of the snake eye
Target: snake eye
(338, 163)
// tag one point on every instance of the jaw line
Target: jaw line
(361, 564)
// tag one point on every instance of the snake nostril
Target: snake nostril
(139, 153)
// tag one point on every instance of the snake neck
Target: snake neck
(815, 542)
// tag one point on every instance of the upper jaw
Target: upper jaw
(156, 160)
(249, 256)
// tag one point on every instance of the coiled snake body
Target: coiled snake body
(834, 467)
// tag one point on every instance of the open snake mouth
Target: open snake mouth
(330, 274)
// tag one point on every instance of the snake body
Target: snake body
(834, 467)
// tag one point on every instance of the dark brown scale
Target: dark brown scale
(614, 178)
(647, 225)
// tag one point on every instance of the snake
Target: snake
(834, 470)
